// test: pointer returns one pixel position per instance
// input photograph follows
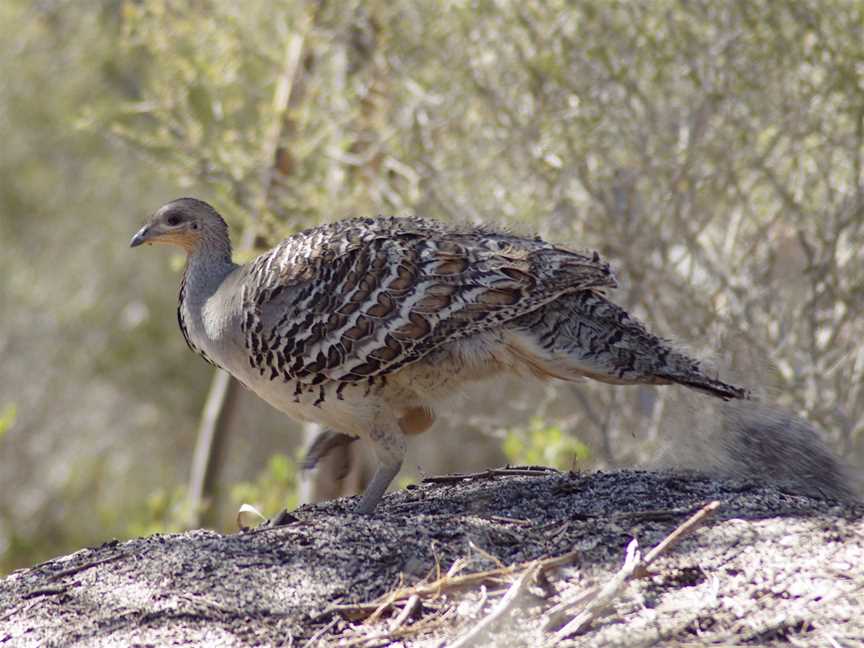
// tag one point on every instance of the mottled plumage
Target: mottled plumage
(363, 298)
(365, 324)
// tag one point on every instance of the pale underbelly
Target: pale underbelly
(353, 408)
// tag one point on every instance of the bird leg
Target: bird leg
(389, 445)
(325, 442)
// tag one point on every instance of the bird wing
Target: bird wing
(362, 298)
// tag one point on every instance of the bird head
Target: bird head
(185, 223)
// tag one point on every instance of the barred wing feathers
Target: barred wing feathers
(362, 298)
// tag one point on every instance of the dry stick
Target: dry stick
(389, 600)
(634, 564)
(44, 591)
(79, 568)
(488, 556)
(604, 596)
(407, 611)
(501, 609)
(689, 526)
(320, 633)
(21, 610)
(451, 582)
(391, 634)
(434, 588)
(508, 520)
(486, 474)
(458, 565)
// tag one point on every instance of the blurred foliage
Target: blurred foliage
(7, 418)
(713, 151)
(162, 511)
(541, 444)
(274, 489)
(85, 359)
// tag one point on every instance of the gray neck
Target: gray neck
(206, 269)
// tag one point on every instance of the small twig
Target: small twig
(604, 596)
(45, 591)
(689, 526)
(554, 614)
(458, 565)
(201, 602)
(558, 561)
(484, 596)
(389, 600)
(315, 637)
(509, 520)
(501, 609)
(447, 582)
(386, 638)
(655, 515)
(351, 611)
(449, 479)
(488, 556)
(261, 529)
(79, 568)
(407, 611)
(21, 610)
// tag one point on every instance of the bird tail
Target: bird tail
(699, 381)
(585, 335)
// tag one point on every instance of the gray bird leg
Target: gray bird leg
(375, 490)
(323, 445)
(388, 442)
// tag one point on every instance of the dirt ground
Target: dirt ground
(515, 557)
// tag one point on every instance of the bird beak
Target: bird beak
(140, 237)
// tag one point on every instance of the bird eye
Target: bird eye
(173, 220)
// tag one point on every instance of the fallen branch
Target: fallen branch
(493, 472)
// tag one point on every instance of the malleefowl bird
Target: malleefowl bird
(366, 324)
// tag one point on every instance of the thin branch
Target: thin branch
(79, 568)
(600, 602)
(689, 526)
